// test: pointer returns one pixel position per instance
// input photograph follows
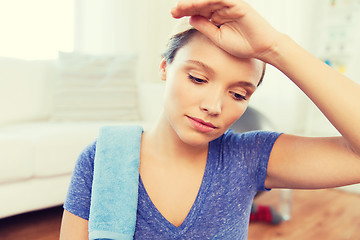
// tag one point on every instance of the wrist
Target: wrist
(277, 51)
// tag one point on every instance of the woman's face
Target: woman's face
(207, 90)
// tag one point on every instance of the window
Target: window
(36, 29)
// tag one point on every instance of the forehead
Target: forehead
(200, 49)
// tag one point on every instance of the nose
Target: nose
(212, 103)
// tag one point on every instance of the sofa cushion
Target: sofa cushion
(33, 194)
(45, 148)
(26, 89)
(17, 156)
(58, 147)
(92, 87)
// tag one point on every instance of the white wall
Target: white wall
(278, 98)
(113, 26)
(333, 36)
(35, 29)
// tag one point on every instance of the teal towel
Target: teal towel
(114, 194)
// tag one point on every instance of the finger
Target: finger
(203, 8)
(207, 28)
(228, 14)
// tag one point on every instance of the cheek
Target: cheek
(180, 93)
(173, 100)
(233, 112)
(173, 95)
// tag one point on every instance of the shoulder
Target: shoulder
(252, 139)
(245, 146)
(89, 151)
(85, 161)
(78, 197)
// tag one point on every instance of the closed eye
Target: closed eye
(238, 96)
(196, 80)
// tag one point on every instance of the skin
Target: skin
(235, 37)
(172, 182)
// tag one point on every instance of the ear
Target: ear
(162, 69)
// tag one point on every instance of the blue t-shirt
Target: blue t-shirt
(235, 170)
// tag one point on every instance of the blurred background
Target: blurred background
(47, 44)
(39, 29)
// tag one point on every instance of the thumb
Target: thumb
(206, 27)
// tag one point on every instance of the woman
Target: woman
(198, 179)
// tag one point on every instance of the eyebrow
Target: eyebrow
(246, 84)
(202, 65)
(208, 69)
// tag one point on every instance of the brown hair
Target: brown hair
(179, 40)
(176, 42)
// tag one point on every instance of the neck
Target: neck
(167, 145)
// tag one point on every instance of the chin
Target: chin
(197, 139)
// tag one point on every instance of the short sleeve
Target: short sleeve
(79, 193)
(252, 150)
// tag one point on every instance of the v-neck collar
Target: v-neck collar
(195, 208)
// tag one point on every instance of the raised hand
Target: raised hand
(232, 25)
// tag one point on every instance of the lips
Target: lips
(201, 125)
(203, 122)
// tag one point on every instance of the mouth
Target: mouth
(201, 125)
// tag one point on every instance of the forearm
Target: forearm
(334, 94)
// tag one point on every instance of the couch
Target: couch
(42, 134)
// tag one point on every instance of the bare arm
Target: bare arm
(295, 162)
(73, 227)
(317, 162)
(312, 163)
